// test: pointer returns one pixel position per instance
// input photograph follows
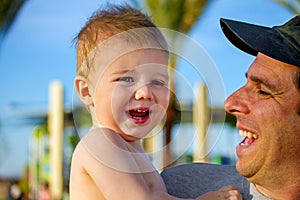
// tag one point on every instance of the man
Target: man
(267, 109)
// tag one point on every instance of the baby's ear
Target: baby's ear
(83, 90)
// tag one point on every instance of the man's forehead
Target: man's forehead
(267, 61)
(270, 72)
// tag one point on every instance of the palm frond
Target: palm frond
(179, 15)
(291, 5)
(9, 10)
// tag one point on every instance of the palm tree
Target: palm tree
(177, 15)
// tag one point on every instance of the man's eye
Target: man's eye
(264, 93)
(126, 79)
(157, 82)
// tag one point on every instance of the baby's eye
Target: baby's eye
(158, 82)
(126, 79)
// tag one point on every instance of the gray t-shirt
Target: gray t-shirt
(195, 179)
(256, 194)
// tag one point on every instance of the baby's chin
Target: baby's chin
(139, 133)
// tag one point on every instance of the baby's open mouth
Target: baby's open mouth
(139, 113)
(249, 137)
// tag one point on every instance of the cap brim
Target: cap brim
(247, 37)
(252, 39)
(236, 33)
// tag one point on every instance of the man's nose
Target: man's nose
(144, 92)
(237, 103)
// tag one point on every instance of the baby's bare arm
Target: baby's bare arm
(101, 171)
(104, 169)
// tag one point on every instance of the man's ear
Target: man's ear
(83, 90)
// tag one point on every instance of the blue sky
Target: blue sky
(38, 49)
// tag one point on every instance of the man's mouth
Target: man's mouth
(249, 137)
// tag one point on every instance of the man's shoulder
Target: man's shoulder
(192, 180)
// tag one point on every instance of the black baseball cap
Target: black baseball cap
(279, 42)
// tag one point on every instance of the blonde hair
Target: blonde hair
(111, 21)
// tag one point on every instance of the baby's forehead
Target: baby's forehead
(141, 38)
(107, 45)
(116, 60)
(131, 57)
(121, 46)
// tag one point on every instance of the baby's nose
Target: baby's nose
(144, 92)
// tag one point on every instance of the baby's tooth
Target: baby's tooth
(255, 136)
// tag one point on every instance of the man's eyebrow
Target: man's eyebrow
(261, 81)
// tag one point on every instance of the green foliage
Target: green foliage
(8, 13)
(291, 5)
(178, 15)
(40, 130)
(73, 140)
(230, 120)
(24, 184)
(82, 117)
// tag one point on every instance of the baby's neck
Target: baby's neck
(98, 125)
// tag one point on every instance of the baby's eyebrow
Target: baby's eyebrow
(166, 76)
(121, 72)
(262, 81)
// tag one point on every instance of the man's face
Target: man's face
(132, 94)
(266, 111)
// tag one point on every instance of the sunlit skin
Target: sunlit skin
(136, 80)
(109, 161)
(267, 106)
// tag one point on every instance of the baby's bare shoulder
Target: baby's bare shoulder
(107, 148)
(101, 139)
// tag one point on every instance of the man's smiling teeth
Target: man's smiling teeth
(248, 134)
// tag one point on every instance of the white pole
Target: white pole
(55, 126)
(200, 119)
